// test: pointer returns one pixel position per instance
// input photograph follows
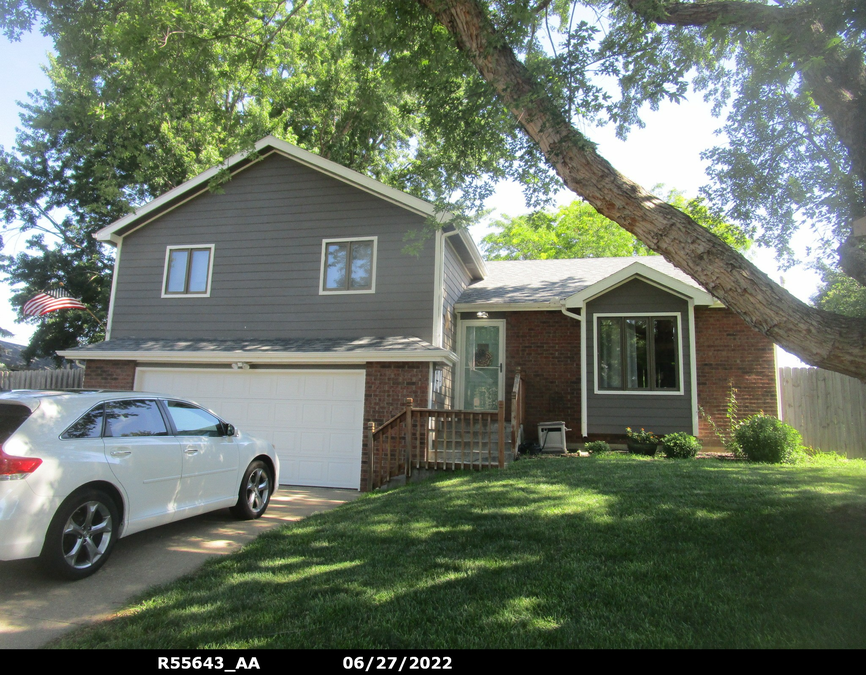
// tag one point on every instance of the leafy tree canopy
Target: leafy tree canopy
(148, 93)
(839, 293)
(579, 231)
(431, 96)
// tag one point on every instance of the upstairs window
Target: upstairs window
(638, 354)
(349, 266)
(187, 271)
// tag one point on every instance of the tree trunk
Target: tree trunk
(820, 338)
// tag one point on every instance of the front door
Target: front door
(483, 364)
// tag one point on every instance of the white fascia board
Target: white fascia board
(550, 306)
(358, 357)
(326, 166)
(653, 276)
(474, 253)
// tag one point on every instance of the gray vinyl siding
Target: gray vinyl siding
(657, 412)
(267, 226)
(455, 280)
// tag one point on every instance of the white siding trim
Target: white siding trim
(645, 273)
(113, 291)
(584, 422)
(439, 291)
(430, 386)
(693, 355)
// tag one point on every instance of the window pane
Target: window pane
(335, 266)
(192, 421)
(610, 353)
(665, 345)
(198, 271)
(177, 271)
(133, 418)
(636, 354)
(12, 416)
(362, 264)
(89, 426)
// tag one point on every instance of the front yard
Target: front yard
(604, 552)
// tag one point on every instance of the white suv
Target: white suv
(80, 470)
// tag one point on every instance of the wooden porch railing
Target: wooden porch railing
(518, 408)
(423, 438)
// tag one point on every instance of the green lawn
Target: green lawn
(611, 552)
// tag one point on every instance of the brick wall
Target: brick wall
(729, 352)
(386, 389)
(546, 347)
(116, 375)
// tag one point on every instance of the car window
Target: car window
(12, 416)
(190, 420)
(133, 418)
(89, 426)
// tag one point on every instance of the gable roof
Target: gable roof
(268, 145)
(547, 284)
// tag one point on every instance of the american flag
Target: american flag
(50, 301)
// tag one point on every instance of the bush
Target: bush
(763, 438)
(680, 445)
(597, 447)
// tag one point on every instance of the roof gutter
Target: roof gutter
(567, 313)
(354, 357)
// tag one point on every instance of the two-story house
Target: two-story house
(286, 302)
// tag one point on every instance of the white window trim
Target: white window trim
(626, 392)
(168, 251)
(342, 240)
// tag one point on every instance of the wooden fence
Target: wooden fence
(827, 408)
(66, 378)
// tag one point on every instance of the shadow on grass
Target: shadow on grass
(610, 552)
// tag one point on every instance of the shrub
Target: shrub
(680, 445)
(763, 438)
(597, 447)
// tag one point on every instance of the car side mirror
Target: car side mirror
(230, 429)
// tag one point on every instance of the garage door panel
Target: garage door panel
(315, 387)
(261, 413)
(345, 417)
(314, 419)
(290, 414)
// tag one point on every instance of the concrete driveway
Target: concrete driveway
(34, 610)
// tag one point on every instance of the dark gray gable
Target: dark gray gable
(267, 227)
(661, 413)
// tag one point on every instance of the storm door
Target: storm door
(482, 364)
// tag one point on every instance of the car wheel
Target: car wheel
(255, 493)
(81, 535)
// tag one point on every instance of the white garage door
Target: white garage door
(314, 418)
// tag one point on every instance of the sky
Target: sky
(666, 151)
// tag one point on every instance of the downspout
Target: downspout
(583, 401)
(567, 313)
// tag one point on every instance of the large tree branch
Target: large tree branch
(820, 338)
(836, 79)
(740, 13)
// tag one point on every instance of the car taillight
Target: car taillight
(16, 468)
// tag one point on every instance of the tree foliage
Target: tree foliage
(573, 231)
(148, 93)
(579, 231)
(442, 97)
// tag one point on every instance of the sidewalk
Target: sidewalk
(34, 609)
